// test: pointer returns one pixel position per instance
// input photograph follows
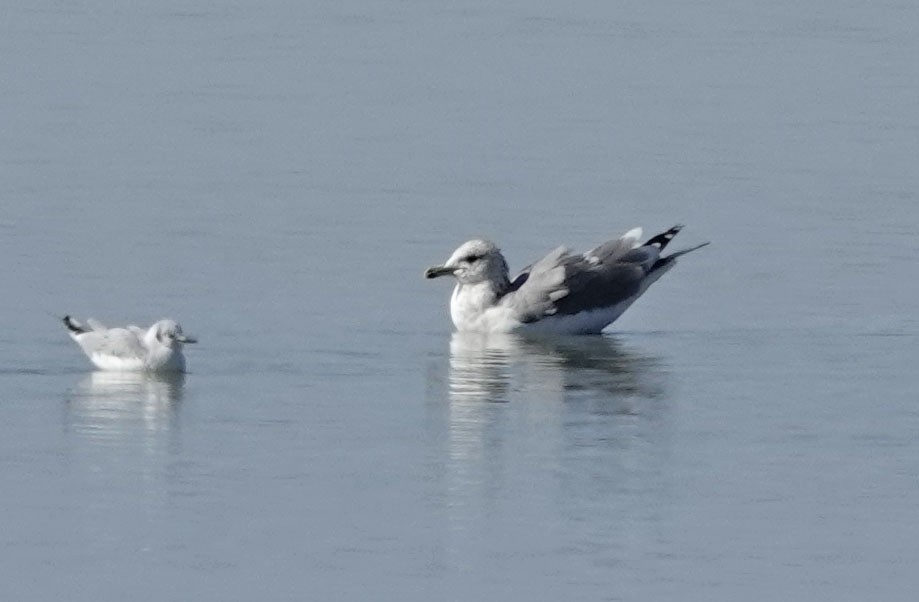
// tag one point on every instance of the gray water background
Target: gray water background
(276, 175)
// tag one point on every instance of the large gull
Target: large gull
(156, 349)
(561, 293)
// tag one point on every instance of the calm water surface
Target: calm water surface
(276, 175)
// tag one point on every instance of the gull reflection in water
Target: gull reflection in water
(121, 406)
(499, 367)
(569, 390)
(562, 422)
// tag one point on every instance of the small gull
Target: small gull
(561, 293)
(157, 349)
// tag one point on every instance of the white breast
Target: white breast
(473, 309)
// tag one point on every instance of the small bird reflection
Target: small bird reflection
(117, 406)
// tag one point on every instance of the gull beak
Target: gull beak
(438, 270)
(184, 338)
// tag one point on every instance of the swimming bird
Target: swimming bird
(157, 349)
(561, 293)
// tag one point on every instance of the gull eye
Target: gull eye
(473, 258)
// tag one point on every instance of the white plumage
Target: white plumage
(156, 349)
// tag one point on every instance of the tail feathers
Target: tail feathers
(660, 241)
(74, 326)
(666, 262)
(676, 254)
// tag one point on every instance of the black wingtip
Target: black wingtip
(660, 241)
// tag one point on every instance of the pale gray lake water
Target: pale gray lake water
(277, 175)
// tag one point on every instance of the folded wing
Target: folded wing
(565, 284)
(115, 342)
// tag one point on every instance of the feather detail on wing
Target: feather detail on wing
(615, 272)
(116, 342)
(613, 249)
(562, 284)
(603, 284)
(538, 288)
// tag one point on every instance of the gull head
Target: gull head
(169, 333)
(473, 262)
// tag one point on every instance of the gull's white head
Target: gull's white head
(473, 262)
(169, 333)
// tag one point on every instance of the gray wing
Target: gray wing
(536, 290)
(594, 285)
(562, 284)
(607, 252)
(614, 249)
(117, 342)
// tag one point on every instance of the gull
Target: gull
(561, 293)
(131, 349)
